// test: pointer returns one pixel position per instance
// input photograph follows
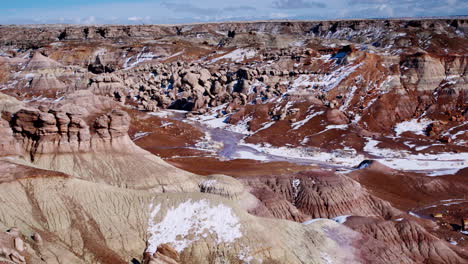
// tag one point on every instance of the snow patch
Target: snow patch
(297, 125)
(443, 172)
(349, 97)
(245, 255)
(308, 222)
(266, 126)
(209, 183)
(175, 55)
(341, 219)
(191, 221)
(324, 82)
(403, 160)
(326, 258)
(345, 157)
(29, 76)
(208, 144)
(243, 154)
(141, 57)
(295, 183)
(415, 126)
(414, 214)
(237, 55)
(139, 135)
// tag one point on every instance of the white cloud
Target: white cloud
(188, 11)
(279, 15)
(134, 18)
(89, 20)
(386, 10)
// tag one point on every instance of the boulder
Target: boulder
(336, 117)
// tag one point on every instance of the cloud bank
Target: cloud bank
(188, 11)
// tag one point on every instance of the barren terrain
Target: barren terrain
(243, 142)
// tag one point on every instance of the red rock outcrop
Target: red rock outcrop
(315, 194)
(407, 239)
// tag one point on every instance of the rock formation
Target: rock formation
(239, 142)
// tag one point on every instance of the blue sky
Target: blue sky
(186, 11)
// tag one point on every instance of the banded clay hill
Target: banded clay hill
(247, 142)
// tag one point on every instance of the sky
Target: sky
(189, 11)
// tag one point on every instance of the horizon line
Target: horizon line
(250, 21)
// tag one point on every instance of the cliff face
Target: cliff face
(295, 110)
(47, 132)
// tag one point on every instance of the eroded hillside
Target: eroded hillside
(249, 142)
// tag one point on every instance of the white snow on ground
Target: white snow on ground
(257, 85)
(325, 57)
(403, 160)
(59, 99)
(141, 57)
(334, 79)
(242, 154)
(237, 55)
(414, 214)
(216, 122)
(191, 221)
(432, 164)
(325, 82)
(166, 113)
(443, 172)
(162, 114)
(211, 120)
(208, 183)
(241, 127)
(208, 144)
(244, 256)
(342, 157)
(371, 148)
(140, 135)
(29, 76)
(326, 258)
(452, 203)
(329, 127)
(342, 127)
(313, 220)
(265, 126)
(166, 124)
(349, 97)
(444, 203)
(296, 183)
(302, 81)
(416, 126)
(459, 133)
(175, 55)
(298, 124)
(341, 219)
(305, 140)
